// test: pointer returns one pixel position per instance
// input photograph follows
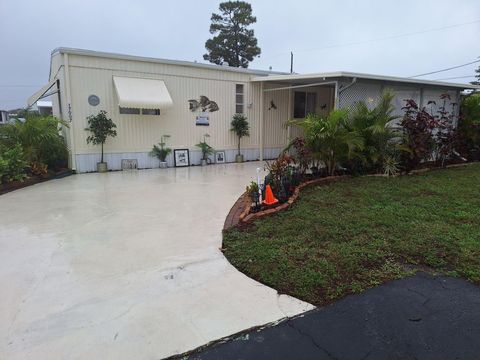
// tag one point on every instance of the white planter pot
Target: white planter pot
(204, 162)
(239, 158)
(163, 165)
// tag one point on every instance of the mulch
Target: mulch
(15, 185)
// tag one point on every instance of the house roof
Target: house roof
(109, 55)
(318, 77)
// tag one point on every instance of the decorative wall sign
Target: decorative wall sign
(93, 100)
(204, 104)
(220, 157)
(202, 119)
(272, 105)
(181, 157)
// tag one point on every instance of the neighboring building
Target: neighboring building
(44, 107)
(148, 98)
(4, 117)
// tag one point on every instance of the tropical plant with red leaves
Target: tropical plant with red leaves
(302, 156)
(418, 125)
(445, 134)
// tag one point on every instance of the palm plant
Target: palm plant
(206, 149)
(330, 139)
(39, 138)
(380, 135)
(161, 151)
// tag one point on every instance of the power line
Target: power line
(447, 69)
(19, 86)
(458, 77)
(383, 38)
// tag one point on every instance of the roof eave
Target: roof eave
(345, 74)
(83, 52)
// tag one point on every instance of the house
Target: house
(44, 107)
(4, 117)
(148, 98)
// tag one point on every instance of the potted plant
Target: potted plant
(207, 150)
(161, 151)
(241, 128)
(101, 127)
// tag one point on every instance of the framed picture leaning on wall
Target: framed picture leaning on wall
(181, 157)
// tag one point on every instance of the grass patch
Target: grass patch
(351, 235)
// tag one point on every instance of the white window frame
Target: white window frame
(242, 94)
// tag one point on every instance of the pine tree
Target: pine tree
(233, 42)
(477, 82)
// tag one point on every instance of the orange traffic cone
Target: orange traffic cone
(269, 198)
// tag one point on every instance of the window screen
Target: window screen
(150, 111)
(304, 103)
(129, 111)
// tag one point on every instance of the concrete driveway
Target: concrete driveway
(125, 265)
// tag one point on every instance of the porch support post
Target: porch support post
(73, 160)
(289, 114)
(335, 102)
(261, 121)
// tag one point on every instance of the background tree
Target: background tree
(233, 42)
(477, 75)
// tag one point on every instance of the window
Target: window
(150, 111)
(129, 111)
(304, 103)
(135, 111)
(239, 99)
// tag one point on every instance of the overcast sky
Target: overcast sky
(317, 31)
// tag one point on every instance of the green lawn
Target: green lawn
(357, 233)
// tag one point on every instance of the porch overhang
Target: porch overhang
(305, 79)
(42, 93)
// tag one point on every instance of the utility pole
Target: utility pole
(291, 62)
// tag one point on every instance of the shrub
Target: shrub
(12, 164)
(380, 135)
(39, 138)
(445, 135)
(469, 127)
(330, 139)
(417, 125)
(302, 155)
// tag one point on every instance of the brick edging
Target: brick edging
(240, 211)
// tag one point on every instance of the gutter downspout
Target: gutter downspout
(69, 112)
(261, 121)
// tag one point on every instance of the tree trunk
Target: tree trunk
(239, 145)
(102, 154)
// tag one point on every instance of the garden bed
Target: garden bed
(15, 185)
(342, 238)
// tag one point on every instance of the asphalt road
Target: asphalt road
(421, 317)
